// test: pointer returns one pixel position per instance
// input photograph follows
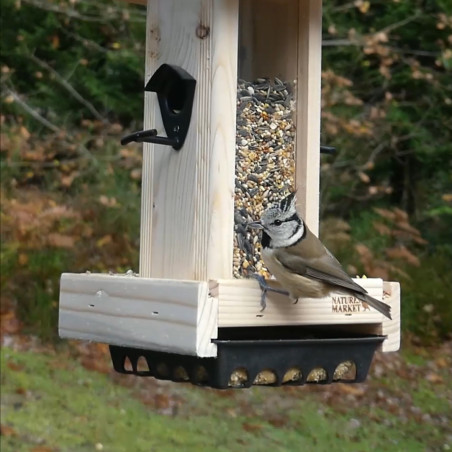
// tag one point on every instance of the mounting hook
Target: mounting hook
(175, 90)
(327, 150)
(150, 136)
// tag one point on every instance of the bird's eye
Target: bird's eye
(278, 222)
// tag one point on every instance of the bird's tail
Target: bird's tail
(384, 308)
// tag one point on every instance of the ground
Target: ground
(68, 399)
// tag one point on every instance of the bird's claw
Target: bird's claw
(264, 286)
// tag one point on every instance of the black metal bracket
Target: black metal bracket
(327, 150)
(149, 136)
(175, 90)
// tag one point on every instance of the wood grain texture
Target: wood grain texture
(391, 328)
(165, 315)
(187, 207)
(307, 156)
(220, 215)
(152, 119)
(184, 316)
(268, 39)
(239, 306)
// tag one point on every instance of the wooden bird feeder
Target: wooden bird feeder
(184, 312)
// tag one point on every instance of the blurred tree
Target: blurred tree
(68, 61)
(387, 105)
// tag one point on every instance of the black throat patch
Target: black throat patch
(265, 240)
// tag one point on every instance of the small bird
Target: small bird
(300, 261)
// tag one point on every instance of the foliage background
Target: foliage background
(71, 83)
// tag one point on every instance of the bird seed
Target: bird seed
(264, 163)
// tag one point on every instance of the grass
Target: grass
(49, 400)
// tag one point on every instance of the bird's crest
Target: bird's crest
(288, 203)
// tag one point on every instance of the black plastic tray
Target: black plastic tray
(270, 362)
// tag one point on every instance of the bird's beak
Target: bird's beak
(255, 225)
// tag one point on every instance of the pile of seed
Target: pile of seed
(264, 163)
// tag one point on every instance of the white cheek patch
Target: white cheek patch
(299, 234)
(282, 240)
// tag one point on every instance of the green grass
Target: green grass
(50, 400)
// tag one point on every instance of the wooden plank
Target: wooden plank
(184, 316)
(152, 119)
(268, 39)
(391, 328)
(307, 156)
(239, 305)
(165, 315)
(187, 195)
(222, 125)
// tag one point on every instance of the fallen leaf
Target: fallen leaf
(162, 401)
(385, 213)
(401, 252)
(351, 389)
(434, 378)
(55, 39)
(42, 449)
(105, 240)
(66, 181)
(116, 128)
(278, 421)
(25, 133)
(405, 226)
(60, 240)
(251, 428)
(14, 366)
(363, 6)
(92, 363)
(442, 362)
(10, 324)
(364, 177)
(381, 228)
(136, 173)
(6, 430)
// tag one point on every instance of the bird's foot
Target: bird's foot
(265, 287)
(295, 300)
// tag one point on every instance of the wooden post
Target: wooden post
(187, 195)
(307, 161)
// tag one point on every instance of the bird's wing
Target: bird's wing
(324, 268)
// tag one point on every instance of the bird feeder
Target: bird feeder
(210, 66)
